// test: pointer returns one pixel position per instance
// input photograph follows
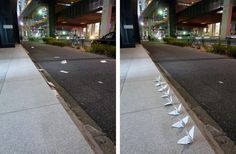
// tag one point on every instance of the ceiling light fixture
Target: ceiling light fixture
(100, 11)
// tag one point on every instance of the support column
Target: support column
(150, 27)
(106, 17)
(226, 19)
(51, 17)
(172, 18)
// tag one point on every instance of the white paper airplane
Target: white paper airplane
(56, 57)
(100, 82)
(55, 92)
(162, 88)
(188, 139)
(181, 123)
(170, 101)
(103, 61)
(158, 79)
(166, 94)
(176, 111)
(41, 70)
(63, 62)
(159, 83)
(62, 71)
(50, 84)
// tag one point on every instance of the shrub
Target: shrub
(33, 39)
(222, 49)
(219, 48)
(58, 43)
(208, 48)
(153, 39)
(231, 51)
(169, 40)
(179, 43)
(173, 41)
(48, 39)
(108, 50)
(53, 41)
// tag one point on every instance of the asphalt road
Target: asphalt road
(89, 81)
(210, 79)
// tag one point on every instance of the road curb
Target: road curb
(213, 133)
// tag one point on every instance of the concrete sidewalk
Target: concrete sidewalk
(31, 117)
(145, 123)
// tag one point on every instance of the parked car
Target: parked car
(109, 39)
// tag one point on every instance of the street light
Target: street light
(160, 12)
(21, 23)
(40, 12)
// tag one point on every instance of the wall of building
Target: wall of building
(9, 34)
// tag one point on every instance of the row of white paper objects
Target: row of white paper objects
(188, 139)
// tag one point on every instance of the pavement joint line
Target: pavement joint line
(4, 79)
(126, 73)
(22, 80)
(139, 80)
(32, 108)
(13, 58)
(143, 110)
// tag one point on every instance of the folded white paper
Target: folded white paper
(160, 84)
(158, 79)
(50, 84)
(63, 62)
(163, 87)
(62, 71)
(188, 139)
(166, 94)
(103, 61)
(176, 111)
(170, 101)
(181, 123)
(41, 70)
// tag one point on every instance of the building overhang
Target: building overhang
(82, 21)
(204, 19)
(150, 9)
(31, 7)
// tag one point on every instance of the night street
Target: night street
(90, 80)
(208, 78)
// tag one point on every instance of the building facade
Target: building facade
(8, 24)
